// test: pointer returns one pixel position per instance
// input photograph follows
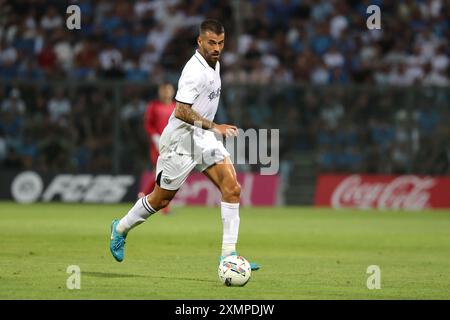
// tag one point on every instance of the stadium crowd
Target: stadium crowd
(318, 42)
(283, 42)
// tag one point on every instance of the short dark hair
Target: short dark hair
(212, 25)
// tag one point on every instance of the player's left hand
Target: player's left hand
(226, 130)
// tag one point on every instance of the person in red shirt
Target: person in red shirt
(47, 58)
(155, 120)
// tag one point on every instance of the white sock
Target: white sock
(230, 221)
(138, 214)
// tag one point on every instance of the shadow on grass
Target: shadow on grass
(111, 275)
(125, 275)
(178, 278)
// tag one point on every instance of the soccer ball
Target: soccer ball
(234, 271)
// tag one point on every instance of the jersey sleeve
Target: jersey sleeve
(189, 86)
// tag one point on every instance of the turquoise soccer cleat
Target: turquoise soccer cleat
(117, 242)
(254, 266)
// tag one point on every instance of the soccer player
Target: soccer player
(188, 141)
(156, 118)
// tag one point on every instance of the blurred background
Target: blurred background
(347, 100)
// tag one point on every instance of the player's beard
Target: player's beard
(215, 55)
(215, 58)
(213, 61)
(211, 58)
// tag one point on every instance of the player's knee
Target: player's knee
(232, 190)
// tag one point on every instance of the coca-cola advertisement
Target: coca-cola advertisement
(256, 190)
(404, 192)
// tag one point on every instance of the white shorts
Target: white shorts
(173, 168)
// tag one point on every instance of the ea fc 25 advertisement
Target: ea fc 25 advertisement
(33, 186)
(396, 192)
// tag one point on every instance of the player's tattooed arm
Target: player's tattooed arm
(185, 113)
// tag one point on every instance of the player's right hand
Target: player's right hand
(225, 130)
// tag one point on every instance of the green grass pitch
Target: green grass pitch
(306, 253)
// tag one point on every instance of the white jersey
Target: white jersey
(199, 86)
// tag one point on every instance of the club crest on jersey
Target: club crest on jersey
(214, 94)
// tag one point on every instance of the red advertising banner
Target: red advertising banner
(409, 192)
(256, 190)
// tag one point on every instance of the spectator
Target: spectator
(110, 60)
(400, 158)
(51, 20)
(8, 55)
(332, 112)
(14, 104)
(47, 58)
(435, 77)
(440, 62)
(320, 74)
(333, 58)
(63, 50)
(400, 76)
(59, 107)
(148, 59)
(85, 59)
